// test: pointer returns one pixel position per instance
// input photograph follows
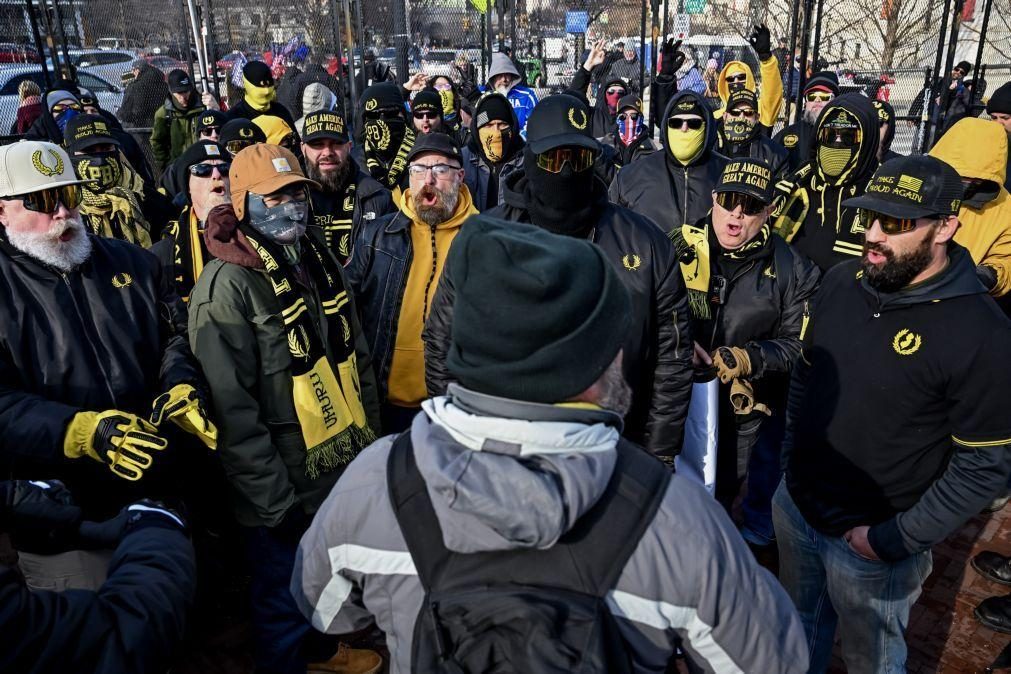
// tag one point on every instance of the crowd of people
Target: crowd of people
(458, 379)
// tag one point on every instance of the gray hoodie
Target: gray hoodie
(690, 582)
(316, 97)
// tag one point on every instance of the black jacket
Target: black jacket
(372, 201)
(758, 146)
(603, 120)
(616, 154)
(479, 173)
(110, 335)
(663, 190)
(797, 140)
(143, 97)
(243, 110)
(658, 351)
(133, 623)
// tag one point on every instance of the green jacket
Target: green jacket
(237, 333)
(174, 130)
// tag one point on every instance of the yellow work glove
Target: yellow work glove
(731, 362)
(120, 439)
(742, 398)
(185, 408)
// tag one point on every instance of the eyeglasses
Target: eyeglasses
(61, 107)
(631, 116)
(839, 137)
(890, 225)
(819, 97)
(615, 90)
(741, 112)
(425, 114)
(443, 86)
(236, 146)
(48, 201)
(741, 77)
(554, 160)
(731, 200)
(682, 124)
(204, 170)
(438, 170)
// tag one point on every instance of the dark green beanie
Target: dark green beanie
(537, 316)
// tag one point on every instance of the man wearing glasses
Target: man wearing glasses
(558, 190)
(810, 210)
(894, 435)
(820, 90)
(742, 135)
(395, 269)
(92, 336)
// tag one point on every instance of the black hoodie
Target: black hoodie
(808, 210)
(663, 190)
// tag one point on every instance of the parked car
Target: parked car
(166, 64)
(110, 96)
(17, 53)
(109, 64)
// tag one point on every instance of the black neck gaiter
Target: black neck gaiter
(563, 203)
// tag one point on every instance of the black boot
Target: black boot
(995, 613)
(993, 566)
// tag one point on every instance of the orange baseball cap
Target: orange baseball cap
(263, 169)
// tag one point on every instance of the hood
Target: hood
(867, 154)
(961, 144)
(957, 280)
(500, 63)
(317, 97)
(711, 131)
(517, 143)
(502, 482)
(721, 83)
(601, 103)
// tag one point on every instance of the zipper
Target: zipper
(716, 316)
(87, 337)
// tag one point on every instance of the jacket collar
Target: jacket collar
(957, 280)
(486, 405)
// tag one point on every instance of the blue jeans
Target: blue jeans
(831, 585)
(764, 474)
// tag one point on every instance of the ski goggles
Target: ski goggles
(554, 160)
(60, 108)
(729, 201)
(839, 136)
(236, 146)
(204, 170)
(742, 112)
(48, 200)
(890, 225)
(683, 124)
(818, 96)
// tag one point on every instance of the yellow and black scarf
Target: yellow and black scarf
(327, 398)
(389, 176)
(116, 212)
(190, 251)
(334, 214)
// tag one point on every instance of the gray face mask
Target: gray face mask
(283, 224)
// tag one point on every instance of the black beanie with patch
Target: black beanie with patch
(494, 107)
(537, 317)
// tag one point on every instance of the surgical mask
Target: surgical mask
(835, 160)
(686, 146)
(383, 136)
(494, 142)
(283, 224)
(629, 129)
(259, 98)
(66, 116)
(103, 169)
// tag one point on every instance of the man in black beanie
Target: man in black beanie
(999, 109)
(259, 95)
(821, 89)
(494, 150)
(521, 468)
(558, 191)
(426, 111)
(383, 136)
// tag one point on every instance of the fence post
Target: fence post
(642, 51)
(935, 84)
(808, 8)
(62, 34)
(33, 20)
(949, 63)
(793, 59)
(212, 45)
(817, 35)
(399, 37)
(979, 50)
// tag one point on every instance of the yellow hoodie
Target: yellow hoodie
(407, 370)
(770, 99)
(977, 148)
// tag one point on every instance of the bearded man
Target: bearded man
(347, 196)
(395, 269)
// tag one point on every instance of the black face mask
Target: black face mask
(563, 203)
(103, 169)
(384, 136)
(737, 130)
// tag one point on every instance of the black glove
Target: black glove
(41, 517)
(671, 58)
(987, 275)
(761, 41)
(136, 516)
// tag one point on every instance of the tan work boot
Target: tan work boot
(348, 661)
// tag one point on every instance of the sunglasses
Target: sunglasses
(235, 146)
(614, 90)
(682, 124)
(209, 130)
(742, 77)
(438, 170)
(729, 201)
(889, 225)
(61, 107)
(426, 115)
(554, 160)
(631, 116)
(48, 201)
(741, 112)
(837, 137)
(204, 170)
(819, 97)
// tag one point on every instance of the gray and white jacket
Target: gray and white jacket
(691, 581)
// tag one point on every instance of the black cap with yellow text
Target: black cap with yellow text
(912, 187)
(324, 124)
(747, 176)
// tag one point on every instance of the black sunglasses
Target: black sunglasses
(679, 123)
(48, 200)
(731, 200)
(204, 170)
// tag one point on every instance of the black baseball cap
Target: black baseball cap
(179, 81)
(557, 121)
(324, 124)
(747, 176)
(439, 143)
(630, 101)
(742, 96)
(241, 128)
(912, 187)
(85, 131)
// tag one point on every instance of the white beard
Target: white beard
(47, 248)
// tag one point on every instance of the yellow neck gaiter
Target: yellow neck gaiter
(259, 98)
(493, 142)
(686, 145)
(834, 160)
